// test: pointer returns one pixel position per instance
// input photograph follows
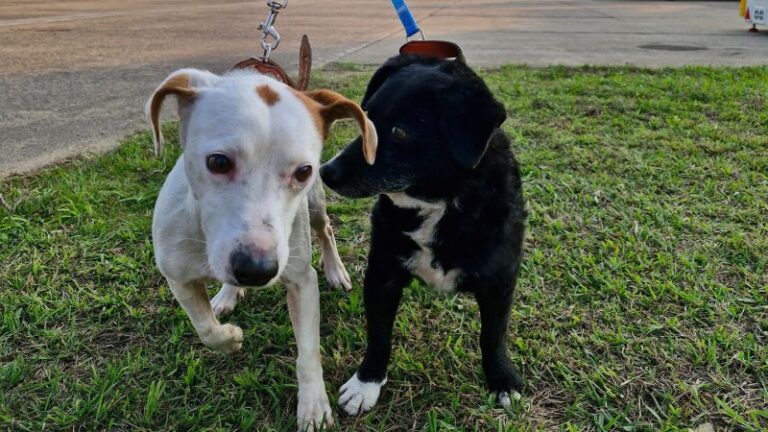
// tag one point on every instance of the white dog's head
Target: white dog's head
(251, 152)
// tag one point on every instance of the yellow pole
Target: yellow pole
(743, 8)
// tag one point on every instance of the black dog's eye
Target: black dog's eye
(219, 164)
(399, 134)
(302, 173)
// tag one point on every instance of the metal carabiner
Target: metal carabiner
(275, 36)
(421, 33)
(269, 46)
(268, 30)
(274, 4)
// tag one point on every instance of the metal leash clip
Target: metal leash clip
(267, 28)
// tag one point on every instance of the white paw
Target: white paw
(226, 338)
(225, 300)
(358, 397)
(314, 411)
(505, 399)
(335, 272)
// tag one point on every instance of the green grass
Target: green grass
(642, 304)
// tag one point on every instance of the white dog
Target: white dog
(238, 205)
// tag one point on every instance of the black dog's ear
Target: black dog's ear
(469, 115)
(389, 67)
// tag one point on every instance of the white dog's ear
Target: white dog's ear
(331, 106)
(185, 85)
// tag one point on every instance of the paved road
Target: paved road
(74, 75)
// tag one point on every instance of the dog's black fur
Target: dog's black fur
(454, 153)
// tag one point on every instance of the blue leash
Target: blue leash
(406, 17)
(426, 48)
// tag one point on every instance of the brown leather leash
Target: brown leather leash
(273, 69)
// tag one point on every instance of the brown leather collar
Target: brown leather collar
(433, 49)
(273, 69)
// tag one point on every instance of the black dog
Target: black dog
(451, 209)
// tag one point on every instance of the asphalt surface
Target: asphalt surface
(74, 75)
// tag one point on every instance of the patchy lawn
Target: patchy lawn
(642, 304)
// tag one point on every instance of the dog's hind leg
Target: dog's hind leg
(335, 272)
(193, 297)
(225, 300)
(502, 377)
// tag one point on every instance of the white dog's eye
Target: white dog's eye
(219, 164)
(302, 173)
(399, 134)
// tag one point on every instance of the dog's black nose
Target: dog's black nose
(330, 175)
(252, 272)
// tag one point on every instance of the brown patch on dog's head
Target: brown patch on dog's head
(269, 95)
(314, 111)
(327, 106)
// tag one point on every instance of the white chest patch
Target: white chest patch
(422, 263)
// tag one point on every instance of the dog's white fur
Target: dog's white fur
(422, 263)
(357, 397)
(201, 218)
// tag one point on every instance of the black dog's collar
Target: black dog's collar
(433, 49)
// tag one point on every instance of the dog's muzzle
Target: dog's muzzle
(331, 175)
(253, 271)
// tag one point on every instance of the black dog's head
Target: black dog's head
(434, 119)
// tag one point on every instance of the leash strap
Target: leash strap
(406, 17)
(305, 63)
(270, 67)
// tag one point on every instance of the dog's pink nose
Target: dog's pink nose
(250, 271)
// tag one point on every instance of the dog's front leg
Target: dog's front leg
(502, 377)
(304, 309)
(193, 297)
(385, 279)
